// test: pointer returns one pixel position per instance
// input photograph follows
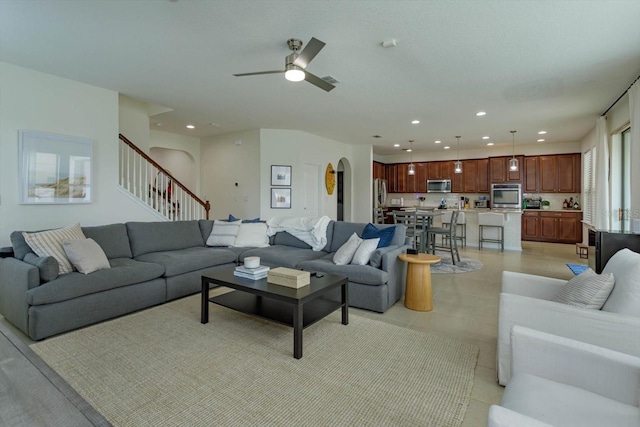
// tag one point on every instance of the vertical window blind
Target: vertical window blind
(589, 186)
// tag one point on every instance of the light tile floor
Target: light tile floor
(466, 309)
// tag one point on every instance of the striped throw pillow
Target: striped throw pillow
(587, 290)
(224, 233)
(49, 243)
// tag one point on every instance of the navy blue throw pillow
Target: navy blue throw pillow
(232, 218)
(385, 234)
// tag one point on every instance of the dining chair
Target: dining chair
(409, 220)
(461, 232)
(450, 233)
(378, 215)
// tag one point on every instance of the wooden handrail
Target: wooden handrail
(204, 203)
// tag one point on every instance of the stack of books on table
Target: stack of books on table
(257, 273)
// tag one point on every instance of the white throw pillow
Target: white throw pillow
(252, 234)
(625, 297)
(86, 255)
(49, 243)
(364, 252)
(345, 253)
(587, 290)
(224, 233)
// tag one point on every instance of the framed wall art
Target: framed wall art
(281, 175)
(54, 169)
(281, 198)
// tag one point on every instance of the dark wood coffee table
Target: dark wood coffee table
(297, 308)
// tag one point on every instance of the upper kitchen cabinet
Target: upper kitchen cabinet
(392, 178)
(530, 170)
(405, 183)
(482, 185)
(560, 173)
(378, 170)
(439, 170)
(422, 171)
(499, 170)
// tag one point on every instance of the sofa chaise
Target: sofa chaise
(155, 262)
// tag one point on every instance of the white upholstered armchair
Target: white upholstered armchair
(526, 300)
(557, 381)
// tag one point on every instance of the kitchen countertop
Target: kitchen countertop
(553, 210)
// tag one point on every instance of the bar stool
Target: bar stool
(493, 221)
(378, 215)
(461, 232)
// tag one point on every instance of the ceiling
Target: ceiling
(531, 65)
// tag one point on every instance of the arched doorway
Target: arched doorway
(343, 188)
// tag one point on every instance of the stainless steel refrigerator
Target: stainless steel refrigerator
(379, 194)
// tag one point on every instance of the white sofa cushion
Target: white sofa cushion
(364, 251)
(564, 405)
(588, 290)
(345, 253)
(224, 233)
(625, 297)
(252, 234)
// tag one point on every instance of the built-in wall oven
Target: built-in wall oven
(507, 196)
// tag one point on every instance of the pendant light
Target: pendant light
(412, 167)
(458, 165)
(513, 163)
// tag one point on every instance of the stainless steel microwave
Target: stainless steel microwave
(438, 186)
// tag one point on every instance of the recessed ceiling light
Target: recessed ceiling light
(408, 150)
(438, 142)
(541, 140)
(396, 145)
(415, 122)
(485, 137)
(542, 132)
(481, 113)
(489, 143)
(191, 127)
(446, 147)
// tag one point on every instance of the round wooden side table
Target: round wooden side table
(418, 294)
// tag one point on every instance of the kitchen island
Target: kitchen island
(512, 228)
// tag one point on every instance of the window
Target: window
(621, 179)
(589, 186)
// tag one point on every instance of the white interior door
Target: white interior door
(311, 196)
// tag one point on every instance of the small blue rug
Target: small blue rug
(577, 268)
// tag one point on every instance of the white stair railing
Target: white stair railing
(156, 187)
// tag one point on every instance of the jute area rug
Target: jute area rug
(162, 367)
(465, 265)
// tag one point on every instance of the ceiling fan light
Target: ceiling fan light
(513, 164)
(412, 169)
(294, 73)
(458, 167)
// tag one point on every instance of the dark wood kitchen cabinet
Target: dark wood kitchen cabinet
(554, 226)
(530, 174)
(499, 171)
(560, 173)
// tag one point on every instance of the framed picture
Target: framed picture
(281, 198)
(280, 175)
(54, 169)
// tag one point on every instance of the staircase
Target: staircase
(151, 184)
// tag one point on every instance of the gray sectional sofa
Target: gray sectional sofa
(155, 262)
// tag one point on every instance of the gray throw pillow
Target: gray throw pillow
(86, 255)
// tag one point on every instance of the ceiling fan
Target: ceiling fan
(296, 63)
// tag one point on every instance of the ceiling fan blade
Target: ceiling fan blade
(309, 52)
(259, 72)
(317, 81)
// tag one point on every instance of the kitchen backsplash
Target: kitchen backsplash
(430, 199)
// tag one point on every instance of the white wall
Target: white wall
(179, 154)
(134, 121)
(226, 160)
(295, 148)
(31, 100)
